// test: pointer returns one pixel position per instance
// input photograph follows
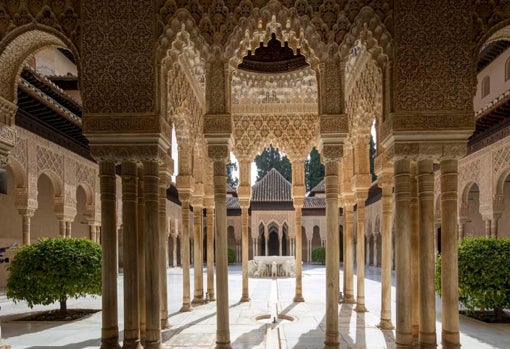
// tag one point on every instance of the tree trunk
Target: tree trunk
(498, 315)
(63, 305)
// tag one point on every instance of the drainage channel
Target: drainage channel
(274, 319)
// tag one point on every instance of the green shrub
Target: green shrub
(319, 255)
(231, 256)
(484, 274)
(54, 270)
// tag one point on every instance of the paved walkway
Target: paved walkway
(196, 329)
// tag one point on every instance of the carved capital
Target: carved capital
(332, 152)
(127, 152)
(334, 126)
(7, 112)
(217, 125)
(218, 152)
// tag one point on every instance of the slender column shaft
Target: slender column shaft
(220, 201)
(110, 328)
(163, 253)
(415, 257)
(360, 256)
(174, 251)
(130, 246)
(210, 253)
(93, 232)
(62, 228)
(348, 256)
(141, 255)
(152, 255)
(68, 229)
(403, 252)
(332, 262)
(198, 293)
(25, 227)
(386, 261)
(298, 297)
(487, 228)
(427, 336)
(185, 257)
(266, 239)
(244, 230)
(449, 261)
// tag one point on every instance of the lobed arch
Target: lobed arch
(368, 28)
(285, 23)
(56, 182)
(499, 193)
(21, 42)
(19, 173)
(89, 197)
(465, 192)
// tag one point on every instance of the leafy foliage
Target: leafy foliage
(372, 158)
(271, 158)
(314, 170)
(54, 270)
(231, 167)
(319, 255)
(484, 269)
(231, 256)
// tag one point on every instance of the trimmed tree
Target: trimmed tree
(271, 158)
(484, 269)
(314, 170)
(54, 270)
(319, 255)
(231, 256)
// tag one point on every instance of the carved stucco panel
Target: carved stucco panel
(267, 217)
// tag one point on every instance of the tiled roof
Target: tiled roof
(233, 203)
(314, 203)
(273, 187)
(319, 188)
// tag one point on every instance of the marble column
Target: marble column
(266, 241)
(93, 232)
(110, 328)
(164, 183)
(219, 154)
(62, 227)
(185, 256)
(386, 231)
(298, 297)
(360, 253)
(488, 225)
(449, 262)
(141, 254)
(348, 256)
(174, 250)
(152, 255)
(425, 175)
(415, 257)
(210, 252)
(332, 253)
(494, 224)
(402, 177)
(198, 289)
(26, 215)
(68, 229)
(130, 246)
(245, 297)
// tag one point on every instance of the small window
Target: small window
(486, 86)
(507, 69)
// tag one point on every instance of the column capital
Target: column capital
(26, 212)
(333, 126)
(331, 152)
(133, 150)
(218, 152)
(7, 112)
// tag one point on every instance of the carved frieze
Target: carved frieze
(111, 123)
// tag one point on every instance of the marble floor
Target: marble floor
(251, 324)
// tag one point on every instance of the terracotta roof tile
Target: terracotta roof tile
(233, 203)
(272, 188)
(314, 203)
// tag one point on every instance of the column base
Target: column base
(360, 308)
(130, 345)
(298, 298)
(185, 307)
(165, 324)
(110, 343)
(244, 299)
(335, 344)
(427, 346)
(349, 299)
(153, 345)
(198, 301)
(223, 345)
(386, 325)
(450, 346)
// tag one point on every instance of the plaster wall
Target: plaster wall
(496, 71)
(50, 61)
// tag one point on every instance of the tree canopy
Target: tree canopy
(314, 170)
(272, 158)
(54, 270)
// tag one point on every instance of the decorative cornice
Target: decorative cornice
(126, 123)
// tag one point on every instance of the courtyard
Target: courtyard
(269, 298)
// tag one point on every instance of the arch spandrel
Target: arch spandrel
(18, 45)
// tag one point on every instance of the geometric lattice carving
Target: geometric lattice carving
(501, 159)
(470, 172)
(19, 152)
(85, 174)
(48, 160)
